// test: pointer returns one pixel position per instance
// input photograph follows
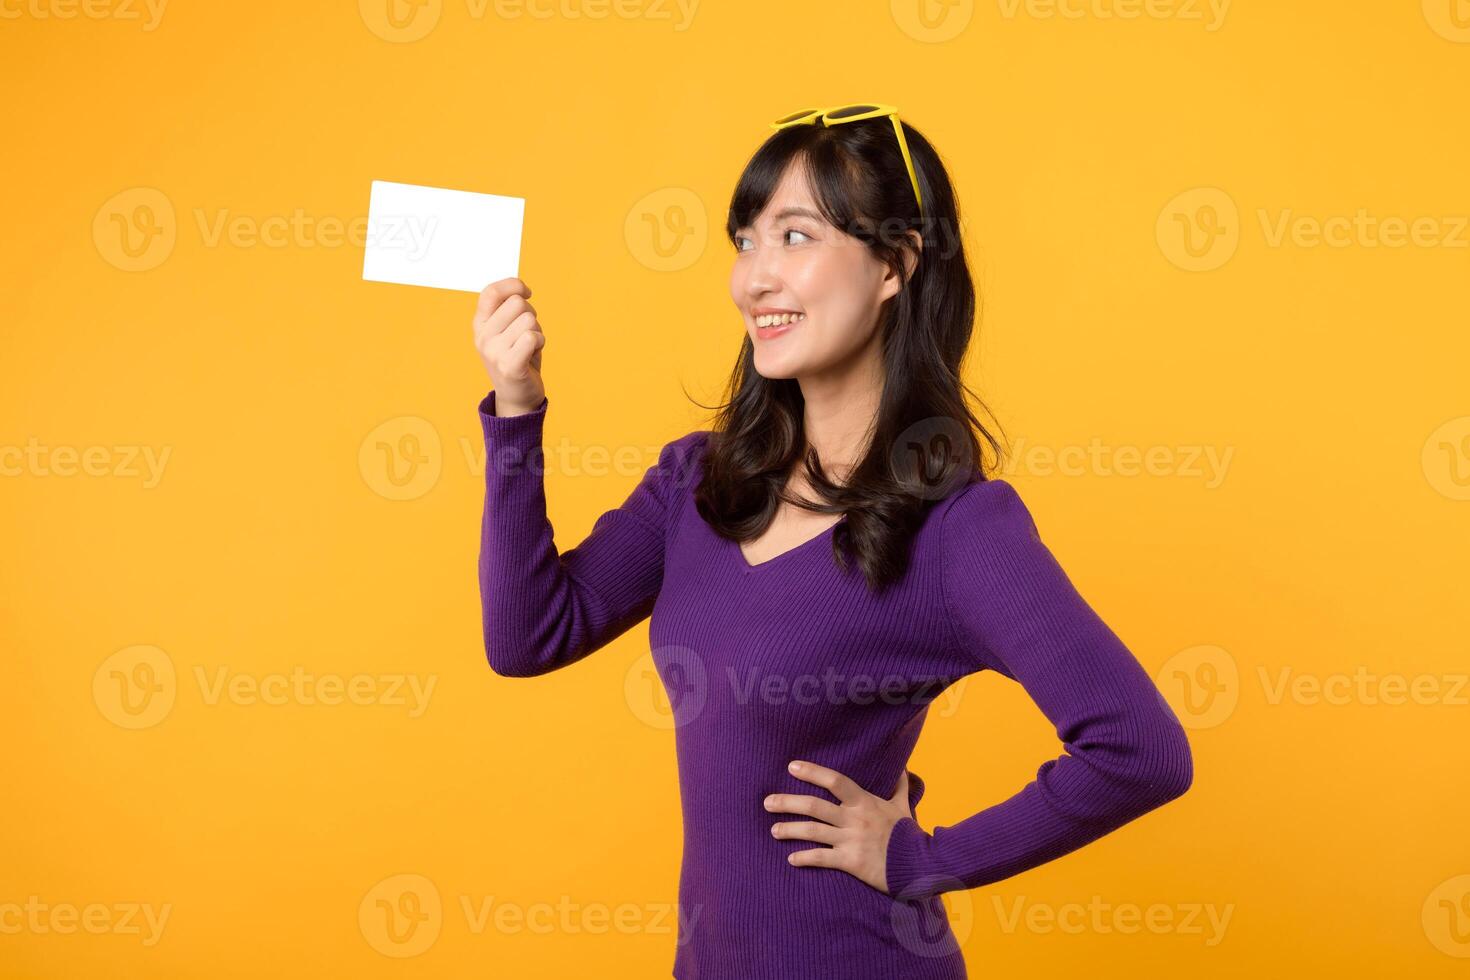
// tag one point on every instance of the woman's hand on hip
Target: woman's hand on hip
(856, 830)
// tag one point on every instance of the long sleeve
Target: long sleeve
(543, 610)
(1014, 609)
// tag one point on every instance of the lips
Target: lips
(770, 327)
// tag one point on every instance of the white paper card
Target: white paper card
(432, 236)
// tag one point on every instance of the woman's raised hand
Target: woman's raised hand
(509, 340)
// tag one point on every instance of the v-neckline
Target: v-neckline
(824, 535)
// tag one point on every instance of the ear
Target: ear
(891, 285)
(911, 255)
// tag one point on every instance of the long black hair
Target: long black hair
(925, 441)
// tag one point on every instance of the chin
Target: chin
(775, 367)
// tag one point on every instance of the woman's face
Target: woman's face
(793, 262)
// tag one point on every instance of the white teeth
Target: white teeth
(774, 319)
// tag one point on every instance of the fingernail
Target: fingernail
(794, 766)
(769, 801)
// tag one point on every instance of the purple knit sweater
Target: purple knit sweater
(793, 659)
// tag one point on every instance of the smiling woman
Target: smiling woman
(800, 653)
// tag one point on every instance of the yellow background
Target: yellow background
(1121, 179)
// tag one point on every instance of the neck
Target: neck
(840, 409)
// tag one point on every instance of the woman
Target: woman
(784, 636)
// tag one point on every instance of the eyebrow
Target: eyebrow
(793, 212)
(796, 212)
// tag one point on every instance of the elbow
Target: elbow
(1166, 769)
(1133, 775)
(1159, 769)
(513, 668)
(514, 647)
(1170, 772)
(530, 654)
(511, 660)
(508, 666)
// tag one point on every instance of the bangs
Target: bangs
(830, 177)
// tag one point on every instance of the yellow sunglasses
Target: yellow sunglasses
(836, 115)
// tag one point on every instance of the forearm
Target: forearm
(543, 609)
(524, 596)
(1073, 801)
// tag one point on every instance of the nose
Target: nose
(763, 272)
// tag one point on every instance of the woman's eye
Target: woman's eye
(740, 240)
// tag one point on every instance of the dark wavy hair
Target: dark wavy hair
(925, 440)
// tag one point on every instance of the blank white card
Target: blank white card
(433, 236)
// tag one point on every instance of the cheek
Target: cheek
(831, 292)
(811, 275)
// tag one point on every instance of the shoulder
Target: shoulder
(986, 530)
(686, 448)
(985, 507)
(680, 455)
(680, 462)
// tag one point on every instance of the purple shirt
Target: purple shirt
(794, 659)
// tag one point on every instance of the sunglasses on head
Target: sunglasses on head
(836, 115)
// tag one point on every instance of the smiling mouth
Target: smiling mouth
(768, 327)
